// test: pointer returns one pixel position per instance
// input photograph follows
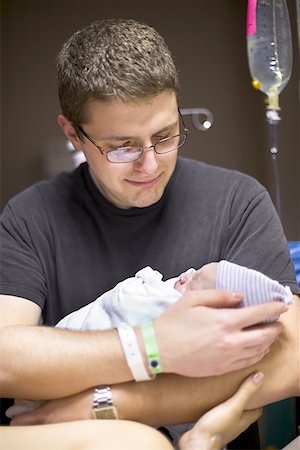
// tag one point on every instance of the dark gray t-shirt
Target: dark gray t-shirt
(63, 244)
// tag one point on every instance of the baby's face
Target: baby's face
(204, 278)
(183, 283)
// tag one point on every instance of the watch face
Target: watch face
(108, 412)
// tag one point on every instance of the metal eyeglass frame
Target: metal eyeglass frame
(103, 152)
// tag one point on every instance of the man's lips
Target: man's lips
(144, 183)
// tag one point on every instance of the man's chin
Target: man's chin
(148, 200)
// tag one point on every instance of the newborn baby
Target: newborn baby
(256, 287)
(145, 296)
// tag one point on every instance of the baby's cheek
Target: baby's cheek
(201, 281)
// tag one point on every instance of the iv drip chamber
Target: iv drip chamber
(269, 47)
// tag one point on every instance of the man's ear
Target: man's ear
(69, 131)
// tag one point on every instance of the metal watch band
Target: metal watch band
(103, 405)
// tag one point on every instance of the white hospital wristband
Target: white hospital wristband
(132, 353)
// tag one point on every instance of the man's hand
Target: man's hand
(75, 407)
(203, 335)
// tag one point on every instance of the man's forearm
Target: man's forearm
(174, 399)
(36, 362)
(56, 363)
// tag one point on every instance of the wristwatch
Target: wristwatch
(103, 405)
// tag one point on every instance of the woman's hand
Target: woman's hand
(226, 421)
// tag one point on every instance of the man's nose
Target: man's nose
(148, 161)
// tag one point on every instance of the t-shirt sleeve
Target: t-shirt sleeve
(20, 255)
(256, 237)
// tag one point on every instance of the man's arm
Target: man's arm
(16, 310)
(174, 399)
(46, 363)
(40, 362)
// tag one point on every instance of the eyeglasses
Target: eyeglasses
(132, 153)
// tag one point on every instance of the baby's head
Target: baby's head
(204, 278)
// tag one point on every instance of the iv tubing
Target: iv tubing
(273, 119)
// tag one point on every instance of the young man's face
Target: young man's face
(115, 124)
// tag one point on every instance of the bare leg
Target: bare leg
(84, 435)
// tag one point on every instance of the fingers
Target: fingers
(258, 340)
(228, 419)
(248, 387)
(217, 442)
(213, 298)
(249, 361)
(249, 417)
(253, 315)
(242, 423)
(215, 335)
(236, 404)
(243, 360)
(26, 419)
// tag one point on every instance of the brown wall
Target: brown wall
(207, 38)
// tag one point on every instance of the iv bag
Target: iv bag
(269, 47)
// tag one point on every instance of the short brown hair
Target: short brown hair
(115, 58)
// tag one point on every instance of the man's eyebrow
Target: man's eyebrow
(127, 138)
(115, 138)
(167, 128)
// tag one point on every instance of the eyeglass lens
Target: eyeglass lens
(127, 154)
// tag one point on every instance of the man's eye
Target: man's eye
(162, 138)
(116, 147)
(127, 149)
(120, 147)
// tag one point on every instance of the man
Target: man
(67, 240)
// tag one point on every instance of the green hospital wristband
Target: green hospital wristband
(151, 347)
